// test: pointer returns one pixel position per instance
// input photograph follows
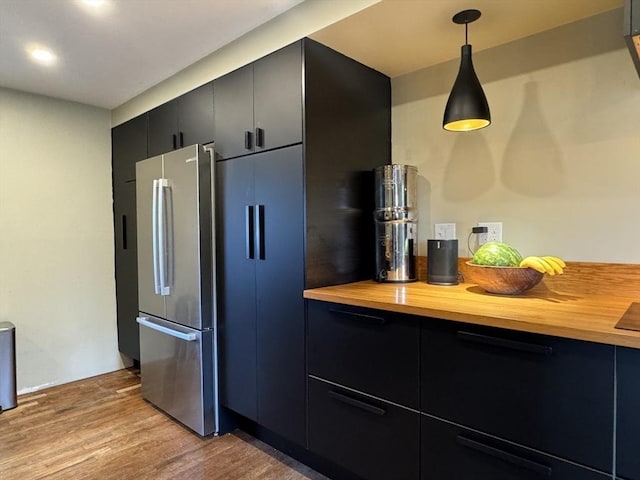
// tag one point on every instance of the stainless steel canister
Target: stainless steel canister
(396, 223)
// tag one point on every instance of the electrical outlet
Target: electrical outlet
(493, 235)
(445, 231)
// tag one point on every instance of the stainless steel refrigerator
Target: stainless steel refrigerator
(176, 285)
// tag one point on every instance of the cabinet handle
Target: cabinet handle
(354, 402)
(259, 137)
(261, 244)
(124, 232)
(181, 139)
(516, 460)
(249, 231)
(247, 140)
(370, 319)
(174, 141)
(505, 343)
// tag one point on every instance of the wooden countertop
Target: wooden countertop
(572, 314)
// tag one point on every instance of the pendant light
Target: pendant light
(467, 108)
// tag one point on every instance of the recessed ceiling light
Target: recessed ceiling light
(93, 3)
(42, 55)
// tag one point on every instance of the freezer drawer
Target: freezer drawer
(176, 364)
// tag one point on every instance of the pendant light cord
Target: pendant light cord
(466, 32)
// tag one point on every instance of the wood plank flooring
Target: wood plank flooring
(101, 428)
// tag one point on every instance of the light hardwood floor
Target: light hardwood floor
(101, 428)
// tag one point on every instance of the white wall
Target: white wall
(56, 238)
(560, 164)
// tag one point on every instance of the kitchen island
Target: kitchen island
(432, 382)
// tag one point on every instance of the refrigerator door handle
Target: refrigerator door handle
(189, 337)
(154, 237)
(163, 246)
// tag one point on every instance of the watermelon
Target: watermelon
(497, 254)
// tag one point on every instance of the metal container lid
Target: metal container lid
(396, 186)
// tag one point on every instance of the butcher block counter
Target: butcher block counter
(584, 304)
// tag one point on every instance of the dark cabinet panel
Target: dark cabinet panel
(277, 83)
(548, 393)
(233, 113)
(163, 129)
(181, 122)
(128, 145)
(628, 413)
(373, 351)
(259, 106)
(279, 283)
(195, 116)
(262, 310)
(450, 452)
(372, 438)
(126, 268)
(236, 287)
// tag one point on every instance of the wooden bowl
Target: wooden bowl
(503, 280)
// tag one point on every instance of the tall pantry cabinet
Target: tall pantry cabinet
(297, 135)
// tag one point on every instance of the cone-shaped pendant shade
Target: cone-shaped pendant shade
(467, 108)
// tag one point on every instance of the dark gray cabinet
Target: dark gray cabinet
(449, 452)
(368, 436)
(181, 122)
(547, 393)
(628, 413)
(292, 214)
(261, 310)
(493, 404)
(375, 352)
(259, 106)
(129, 144)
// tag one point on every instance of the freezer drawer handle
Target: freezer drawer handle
(189, 337)
(525, 463)
(505, 343)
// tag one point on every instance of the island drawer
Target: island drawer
(373, 351)
(449, 451)
(628, 413)
(369, 437)
(547, 393)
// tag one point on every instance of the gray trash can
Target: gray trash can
(8, 396)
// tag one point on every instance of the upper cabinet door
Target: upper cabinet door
(195, 116)
(163, 128)
(181, 122)
(277, 82)
(129, 144)
(233, 113)
(259, 107)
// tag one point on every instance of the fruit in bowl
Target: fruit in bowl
(497, 267)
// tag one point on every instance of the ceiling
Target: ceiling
(401, 36)
(110, 53)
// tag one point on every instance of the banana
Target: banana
(553, 261)
(556, 259)
(537, 264)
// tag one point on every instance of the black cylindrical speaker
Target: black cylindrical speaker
(442, 262)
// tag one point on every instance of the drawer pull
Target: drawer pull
(505, 456)
(370, 319)
(505, 343)
(367, 407)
